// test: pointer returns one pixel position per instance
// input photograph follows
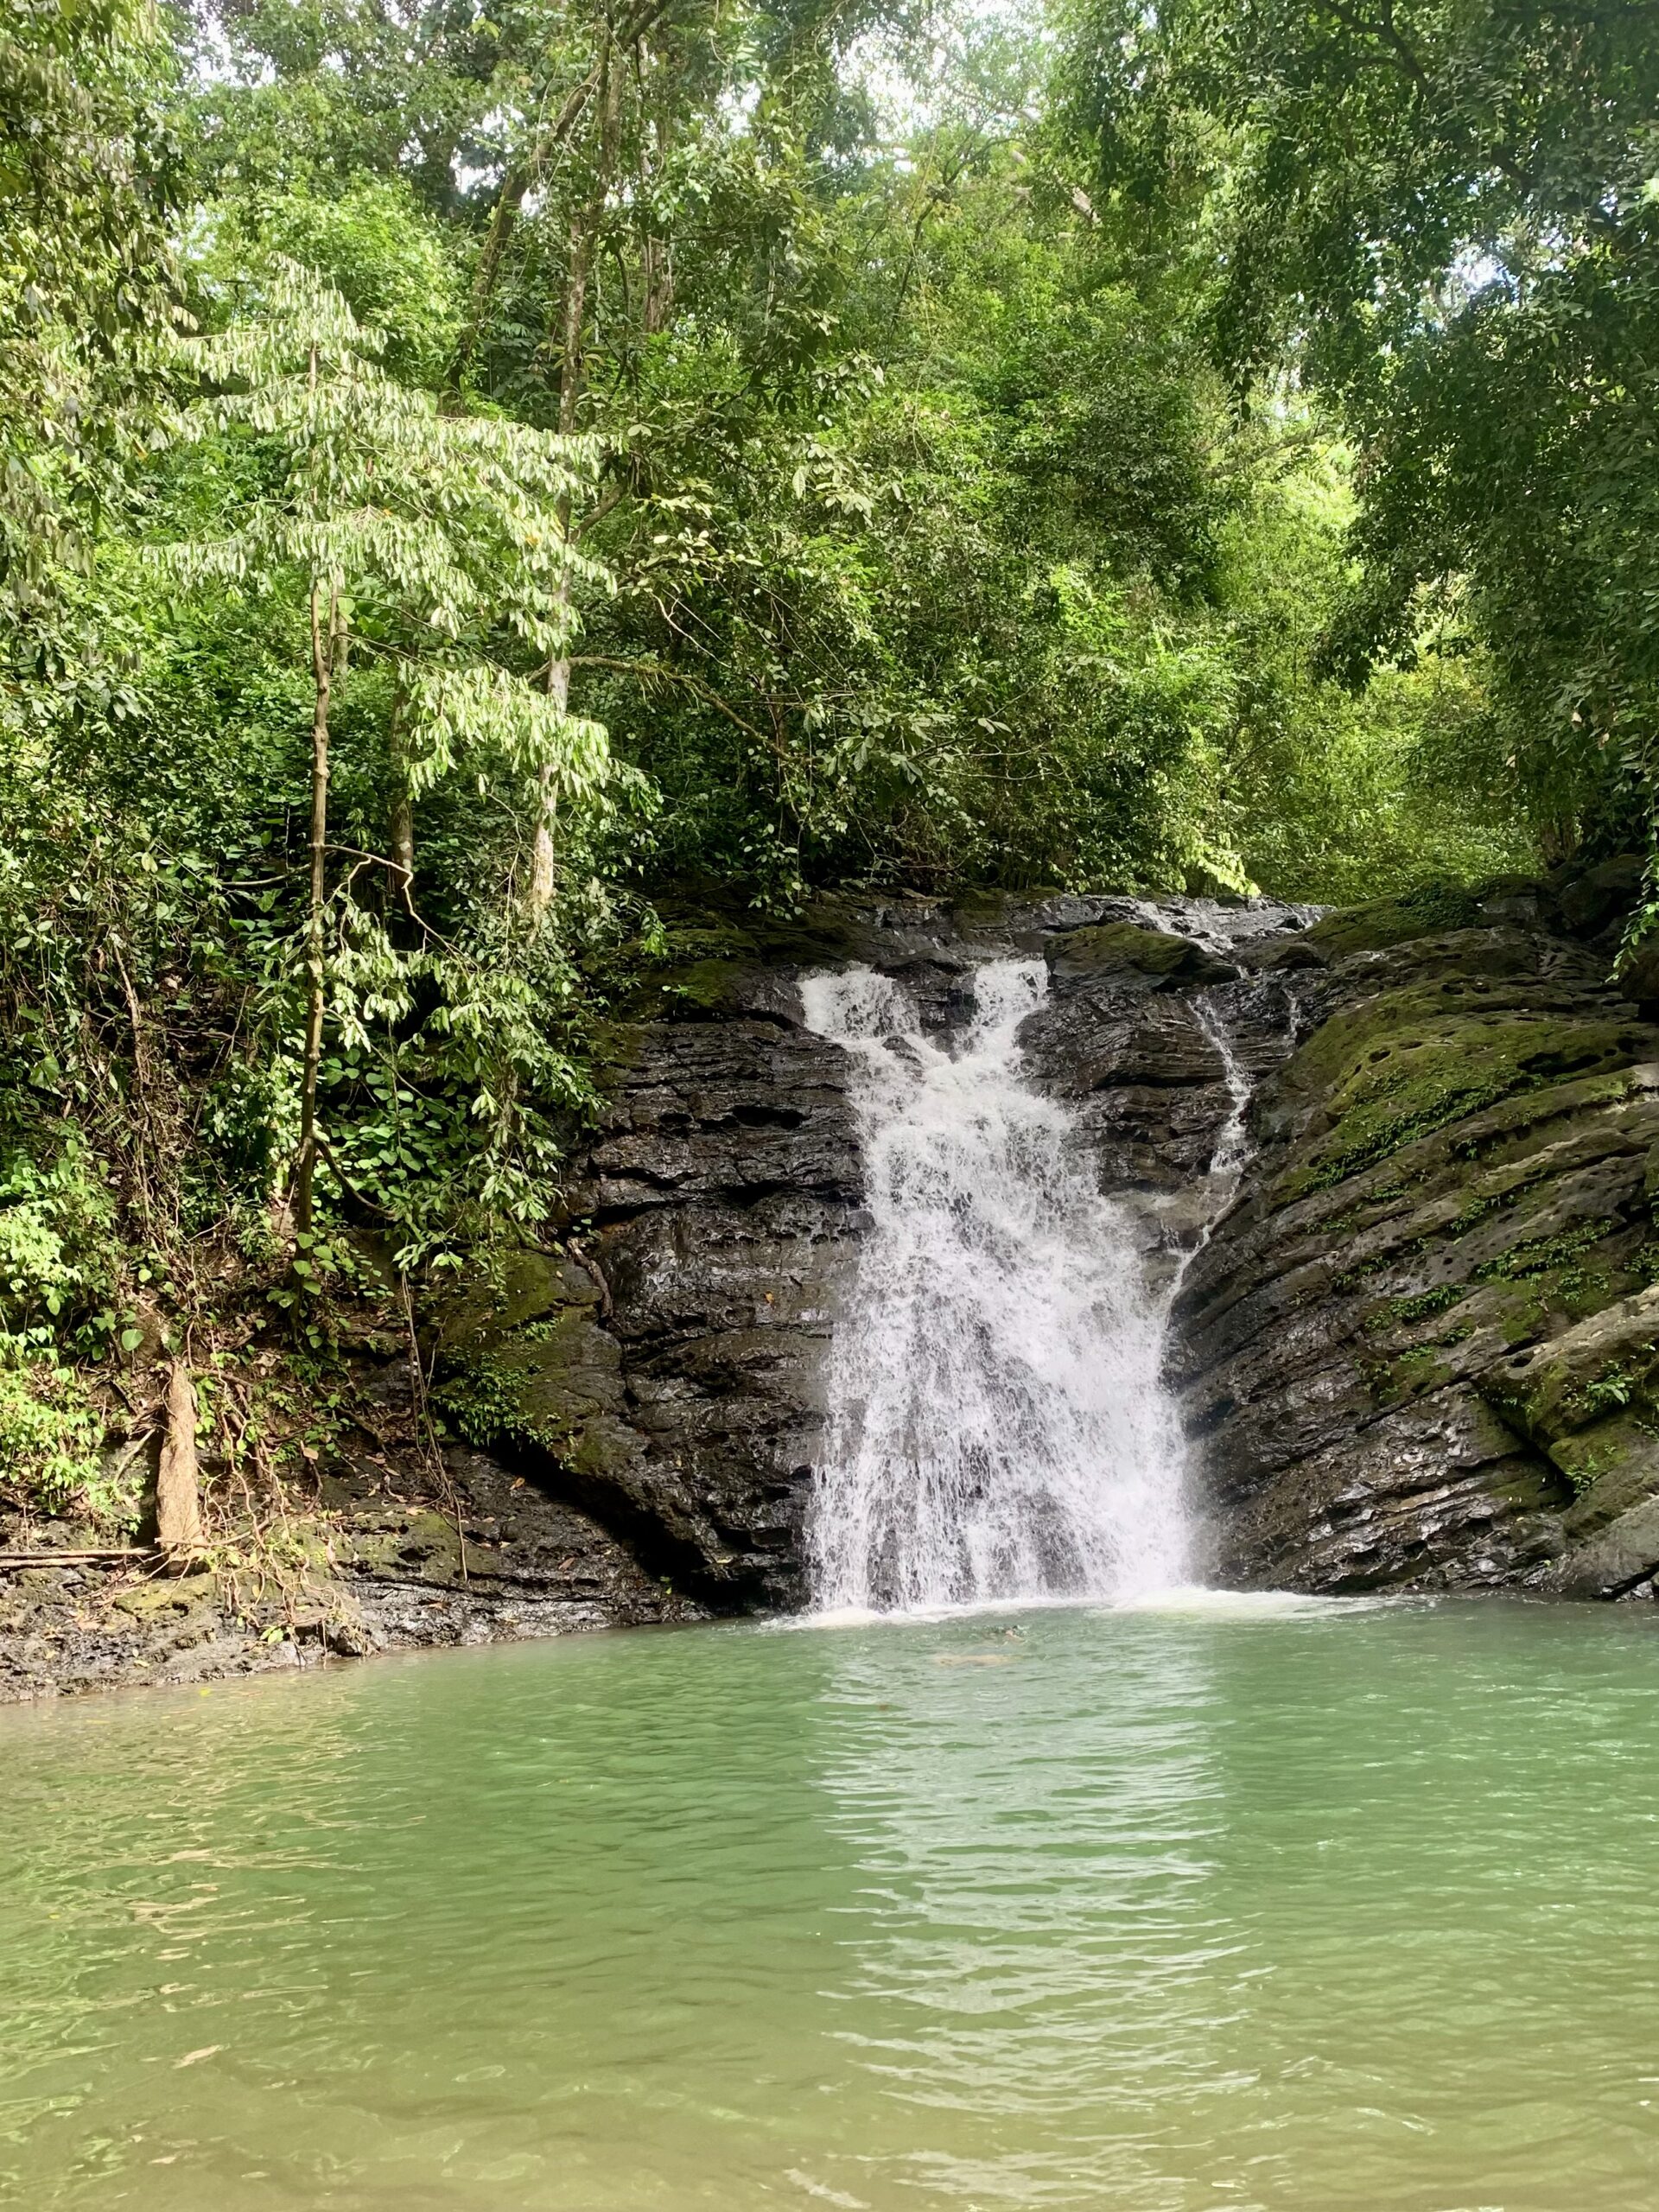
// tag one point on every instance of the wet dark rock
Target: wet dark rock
(1130, 1036)
(1421, 1350)
(1590, 901)
(1131, 955)
(664, 1374)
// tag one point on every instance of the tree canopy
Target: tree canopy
(1443, 220)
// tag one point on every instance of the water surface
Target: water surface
(1163, 1911)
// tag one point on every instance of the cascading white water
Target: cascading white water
(998, 1427)
(1233, 1143)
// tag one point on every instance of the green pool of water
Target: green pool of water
(1170, 1912)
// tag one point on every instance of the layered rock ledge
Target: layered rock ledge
(1422, 1351)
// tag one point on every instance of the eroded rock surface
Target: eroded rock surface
(1421, 1350)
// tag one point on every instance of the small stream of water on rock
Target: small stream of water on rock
(998, 1427)
(1233, 1144)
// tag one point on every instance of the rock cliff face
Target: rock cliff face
(632, 1412)
(1421, 1351)
(665, 1377)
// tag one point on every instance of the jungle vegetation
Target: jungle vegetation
(473, 476)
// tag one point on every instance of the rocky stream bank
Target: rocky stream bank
(1418, 1351)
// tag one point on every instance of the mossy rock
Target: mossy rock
(523, 1359)
(1416, 1372)
(166, 1600)
(715, 952)
(1431, 910)
(421, 1546)
(1596, 896)
(1468, 1179)
(1420, 1009)
(709, 959)
(1615, 1559)
(545, 1388)
(711, 986)
(721, 969)
(1124, 949)
(1638, 975)
(507, 1295)
(1398, 1071)
(1610, 1468)
(1605, 1366)
(712, 938)
(1412, 1309)
(989, 910)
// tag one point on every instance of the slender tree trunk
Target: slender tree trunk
(657, 283)
(178, 1483)
(658, 272)
(655, 258)
(510, 197)
(656, 249)
(322, 655)
(401, 833)
(584, 241)
(544, 871)
(517, 181)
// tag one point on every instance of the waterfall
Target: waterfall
(997, 1424)
(1232, 1142)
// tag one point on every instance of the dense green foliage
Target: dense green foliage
(1445, 219)
(468, 472)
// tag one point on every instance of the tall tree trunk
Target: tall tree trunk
(178, 1483)
(322, 656)
(584, 242)
(523, 174)
(401, 831)
(544, 871)
(658, 272)
(655, 258)
(510, 197)
(403, 835)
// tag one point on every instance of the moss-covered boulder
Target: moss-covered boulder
(1126, 952)
(1382, 922)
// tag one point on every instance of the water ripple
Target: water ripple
(1327, 1909)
